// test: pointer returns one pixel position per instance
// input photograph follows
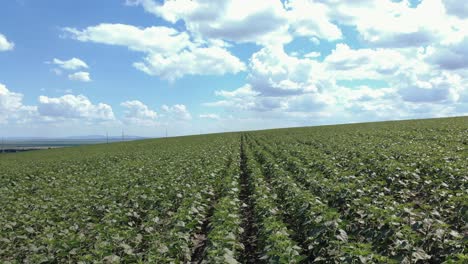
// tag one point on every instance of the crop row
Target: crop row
(276, 243)
(369, 193)
(124, 202)
(318, 227)
(407, 209)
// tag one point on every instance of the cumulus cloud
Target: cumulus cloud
(408, 71)
(275, 73)
(279, 82)
(198, 61)
(138, 113)
(285, 85)
(71, 64)
(260, 21)
(12, 107)
(49, 109)
(9, 101)
(177, 112)
(74, 107)
(243, 98)
(310, 18)
(264, 22)
(418, 52)
(246, 98)
(351, 63)
(5, 44)
(156, 39)
(366, 103)
(170, 54)
(80, 76)
(242, 92)
(389, 23)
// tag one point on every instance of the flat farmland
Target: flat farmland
(387, 192)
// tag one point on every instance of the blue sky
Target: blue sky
(191, 66)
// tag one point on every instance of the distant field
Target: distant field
(388, 192)
(19, 145)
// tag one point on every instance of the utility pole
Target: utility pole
(107, 137)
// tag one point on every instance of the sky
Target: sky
(70, 68)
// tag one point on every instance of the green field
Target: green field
(389, 192)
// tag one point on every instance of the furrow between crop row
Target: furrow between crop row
(318, 227)
(249, 237)
(200, 240)
(223, 243)
(275, 244)
(377, 220)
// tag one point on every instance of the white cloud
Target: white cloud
(74, 107)
(368, 104)
(417, 52)
(138, 113)
(170, 54)
(275, 73)
(365, 103)
(389, 23)
(265, 22)
(246, 98)
(242, 92)
(260, 21)
(349, 63)
(210, 116)
(309, 18)
(198, 61)
(156, 39)
(71, 64)
(282, 85)
(279, 82)
(313, 54)
(242, 98)
(5, 44)
(12, 107)
(80, 76)
(177, 111)
(405, 70)
(9, 101)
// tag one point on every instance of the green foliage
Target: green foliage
(391, 192)
(224, 242)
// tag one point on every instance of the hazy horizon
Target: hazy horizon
(117, 137)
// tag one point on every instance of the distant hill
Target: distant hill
(14, 144)
(74, 138)
(101, 137)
